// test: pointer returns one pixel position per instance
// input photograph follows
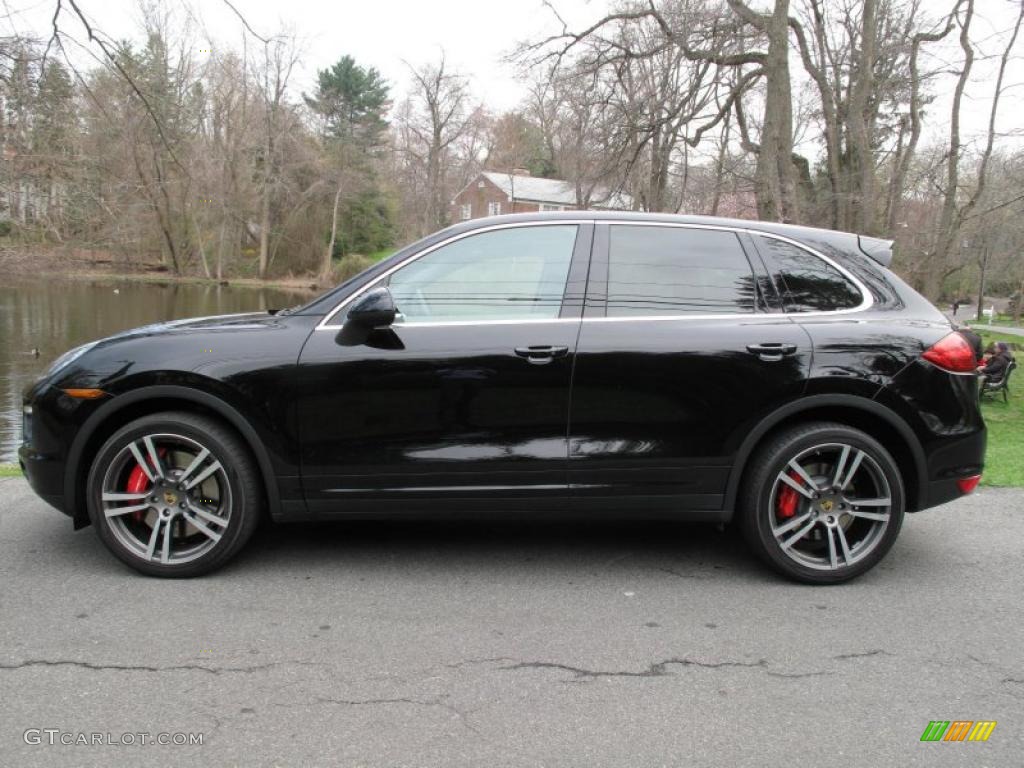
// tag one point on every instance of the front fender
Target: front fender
(83, 445)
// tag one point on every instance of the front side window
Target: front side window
(677, 271)
(505, 274)
(807, 283)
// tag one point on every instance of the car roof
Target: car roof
(877, 249)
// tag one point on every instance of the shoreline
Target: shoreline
(81, 264)
(296, 284)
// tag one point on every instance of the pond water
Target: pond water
(50, 316)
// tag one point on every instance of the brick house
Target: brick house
(493, 193)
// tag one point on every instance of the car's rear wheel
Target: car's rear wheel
(822, 502)
(174, 494)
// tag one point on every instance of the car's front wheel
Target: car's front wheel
(174, 494)
(822, 502)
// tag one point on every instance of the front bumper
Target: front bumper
(45, 474)
(51, 421)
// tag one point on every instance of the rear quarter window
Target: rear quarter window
(806, 282)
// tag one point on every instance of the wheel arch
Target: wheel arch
(867, 415)
(141, 402)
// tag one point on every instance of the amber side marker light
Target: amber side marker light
(84, 394)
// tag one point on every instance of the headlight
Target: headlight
(69, 357)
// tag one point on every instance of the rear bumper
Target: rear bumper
(949, 461)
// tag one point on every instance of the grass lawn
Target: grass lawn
(1004, 461)
(10, 470)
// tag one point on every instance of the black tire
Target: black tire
(235, 503)
(823, 555)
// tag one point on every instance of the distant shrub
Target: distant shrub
(351, 265)
(6, 227)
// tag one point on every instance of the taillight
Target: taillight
(952, 353)
(968, 484)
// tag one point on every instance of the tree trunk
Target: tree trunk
(264, 230)
(202, 247)
(720, 168)
(325, 269)
(949, 220)
(220, 252)
(774, 178)
(862, 163)
(981, 282)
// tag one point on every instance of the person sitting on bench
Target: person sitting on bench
(995, 368)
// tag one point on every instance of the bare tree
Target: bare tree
(438, 113)
(273, 70)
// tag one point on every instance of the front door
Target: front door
(680, 354)
(465, 398)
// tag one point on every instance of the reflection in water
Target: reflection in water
(51, 316)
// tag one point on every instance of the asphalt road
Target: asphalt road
(447, 644)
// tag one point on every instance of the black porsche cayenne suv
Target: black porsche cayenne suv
(592, 363)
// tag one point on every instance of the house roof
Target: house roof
(555, 191)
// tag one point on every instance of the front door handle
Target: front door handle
(539, 355)
(771, 352)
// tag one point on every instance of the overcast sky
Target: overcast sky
(475, 34)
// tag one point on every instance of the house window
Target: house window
(549, 207)
(465, 211)
(493, 209)
(480, 184)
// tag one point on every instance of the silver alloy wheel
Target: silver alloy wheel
(841, 508)
(178, 511)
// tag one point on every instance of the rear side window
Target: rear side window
(807, 283)
(675, 271)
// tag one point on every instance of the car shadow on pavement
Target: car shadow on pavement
(685, 550)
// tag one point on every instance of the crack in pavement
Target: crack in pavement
(656, 669)
(798, 675)
(469, 662)
(861, 655)
(28, 663)
(661, 668)
(365, 702)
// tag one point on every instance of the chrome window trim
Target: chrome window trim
(866, 303)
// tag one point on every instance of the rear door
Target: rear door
(683, 348)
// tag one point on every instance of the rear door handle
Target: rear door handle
(772, 352)
(539, 355)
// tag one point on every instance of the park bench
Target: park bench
(1002, 384)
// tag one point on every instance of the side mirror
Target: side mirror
(369, 322)
(374, 309)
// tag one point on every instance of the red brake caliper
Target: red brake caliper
(139, 483)
(788, 498)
